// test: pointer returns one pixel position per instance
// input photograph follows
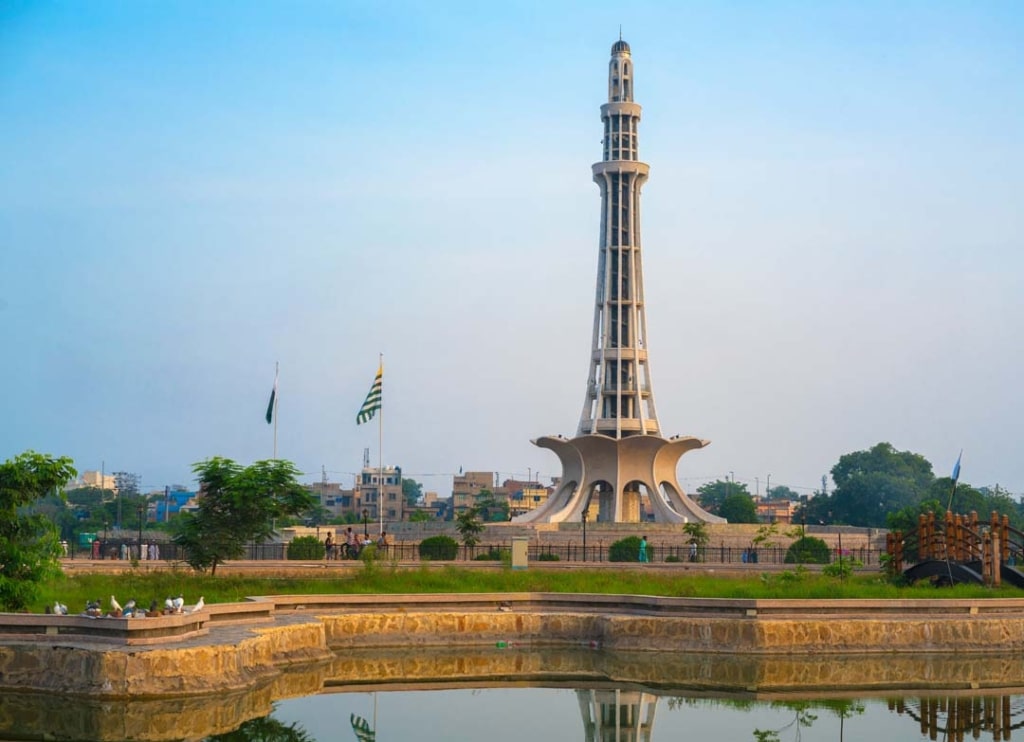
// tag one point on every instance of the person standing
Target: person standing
(329, 547)
(643, 549)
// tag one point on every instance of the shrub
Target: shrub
(439, 548)
(491, 555)
(625, 550)
(547, 556)
(306, 547)
(808, 550)
(673, 558)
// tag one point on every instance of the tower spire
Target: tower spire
(619, 399)
(618, 456)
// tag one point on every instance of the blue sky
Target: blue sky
(193, 191)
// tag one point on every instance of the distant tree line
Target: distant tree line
(877, 488)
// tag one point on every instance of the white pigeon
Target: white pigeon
(179, 604)
(198, 606)
(60, 609)
(115, 606)
(129, 608)
(168, 605)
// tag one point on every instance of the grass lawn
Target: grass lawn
(75, 590)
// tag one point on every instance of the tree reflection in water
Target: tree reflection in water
(803, 718)
(267, 729)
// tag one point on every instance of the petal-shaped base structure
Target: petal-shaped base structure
(612, 472)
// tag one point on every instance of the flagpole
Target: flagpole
(277, 367)
(956, 476)
(380, 462)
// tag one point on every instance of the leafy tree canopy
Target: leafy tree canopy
(782, 492)
(29, 546)
(713, 494)
(490, 508)
(412, 491)
(468, 524)
(238, 505)
(738, 508)
(870, 484)
(697, 533)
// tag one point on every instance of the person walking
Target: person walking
(643, 549)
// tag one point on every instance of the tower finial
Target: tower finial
(620, 32)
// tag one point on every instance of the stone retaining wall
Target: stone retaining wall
(235, 656)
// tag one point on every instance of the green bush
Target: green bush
(491, 555)
(439, 548)
(808, 550)
(673, 558)
(306, 547)
(625, 550)
(547, 556)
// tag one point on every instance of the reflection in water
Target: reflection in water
(617, 715)
(609, 697)
(267, 729)
(955, 717)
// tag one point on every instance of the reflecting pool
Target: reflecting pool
(630, 715)
(515, 693)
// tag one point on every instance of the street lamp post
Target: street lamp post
(366, 530)
(142, 510)
(583, 515)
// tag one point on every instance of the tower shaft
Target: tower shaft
(619, 463)
(620, 399)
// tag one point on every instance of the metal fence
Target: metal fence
(408, 551)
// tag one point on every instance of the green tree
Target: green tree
(412, 491)
(316, 515)
(738, 508)
(808, 550)
(782, 492)
(420, 516)
(490, 508)
(439, 547)
(713, 494)
(237, 505)
(625, 550)
(697, 532)
(266, 729)
(870, 484)
(468, 524)
(29, 545)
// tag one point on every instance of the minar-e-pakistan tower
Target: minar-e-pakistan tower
(618, 452)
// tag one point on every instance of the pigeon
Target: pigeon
(198, 606)
(179, 604)
(169, 605)
(153, 607)
(93, 608)
(60, 609)
(115, 606)
(129, 608)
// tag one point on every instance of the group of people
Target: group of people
(353, 545)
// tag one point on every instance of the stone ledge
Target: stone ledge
(232, 646)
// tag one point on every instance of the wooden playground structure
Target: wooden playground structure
(959, 548)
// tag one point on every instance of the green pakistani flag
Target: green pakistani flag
(273, 398)
(373, 399)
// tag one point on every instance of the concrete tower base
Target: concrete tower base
(608, 475)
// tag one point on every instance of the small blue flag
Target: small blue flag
(956, 467)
